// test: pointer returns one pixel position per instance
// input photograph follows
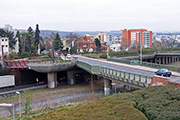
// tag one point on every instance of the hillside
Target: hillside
(157, 103)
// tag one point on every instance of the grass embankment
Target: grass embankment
(105, 109)
(157, 103)
(97, 56)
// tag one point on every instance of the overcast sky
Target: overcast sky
(91, 15)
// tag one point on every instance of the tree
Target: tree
(98, 44)
(10, 35)
(37, 36)
(57, 43)
(24, 42)
(18, 36)
(30, 39)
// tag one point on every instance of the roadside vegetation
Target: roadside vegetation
(153, 103)
(130, 52)
(175, 64)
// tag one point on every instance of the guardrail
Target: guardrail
(47, 61)
(122, 76)
(146, 64)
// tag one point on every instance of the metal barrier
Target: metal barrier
(146, 64)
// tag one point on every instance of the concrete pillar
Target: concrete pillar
(107, 87)
(70, 78)
(167, 60)
(163, 60)
(159, 60)
(156, 60)
(52, 80)
(172, 60)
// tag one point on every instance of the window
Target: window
(6, 39)
(6, 46)
(91, 44)
(2, 39)
(84, 45)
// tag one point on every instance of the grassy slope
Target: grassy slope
(105, 109)
(157, 103)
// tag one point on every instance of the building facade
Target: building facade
(86, 44)
(4, 46)
(136, 36)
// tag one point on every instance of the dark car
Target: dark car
(163, 72)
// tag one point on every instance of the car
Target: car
(163, 72)
(68, 56)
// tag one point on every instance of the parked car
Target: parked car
(68, 56)
(163, 72)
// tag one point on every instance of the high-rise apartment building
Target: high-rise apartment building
(136, 36)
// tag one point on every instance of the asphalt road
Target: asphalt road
(120, 67)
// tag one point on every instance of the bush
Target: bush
(25, 54)
(27, 107)
(157, 103)
(103, 56)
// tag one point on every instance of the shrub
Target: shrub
(103, 56)
(27, 107)
(25, 54)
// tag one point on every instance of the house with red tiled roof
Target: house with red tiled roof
(87, 44)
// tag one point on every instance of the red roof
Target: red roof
(86, 41)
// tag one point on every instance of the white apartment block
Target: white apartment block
(109, 37)
(4, 46)
(146, 39)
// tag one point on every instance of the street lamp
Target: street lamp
(17, 92)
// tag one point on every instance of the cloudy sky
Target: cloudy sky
(91, 15)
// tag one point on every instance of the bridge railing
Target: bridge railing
(159, 66)
(120, 60)
(94, 69)
(47, 61)
(125, 77)
(146, 64)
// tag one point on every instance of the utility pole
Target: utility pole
(53, 49)
(140, 49)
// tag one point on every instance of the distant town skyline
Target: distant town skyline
(91, 15)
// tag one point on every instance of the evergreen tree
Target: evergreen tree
(98, 44)
(37, 36)
(30, 39)
(18, 36)
(57, 42)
